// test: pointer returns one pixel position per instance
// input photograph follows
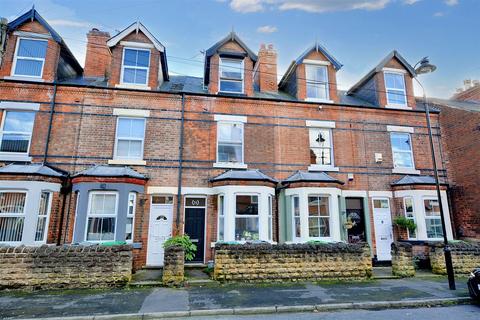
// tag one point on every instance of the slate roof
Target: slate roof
(110, 171)
(304, 176)
(34, 15)
(415, 180)
(464, 105)
(32, 169)
(379, 67)
(249, 175)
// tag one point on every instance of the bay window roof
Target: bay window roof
(110, 171)
(416, 180)
(251, 175)
(303, 176)
(33, 169)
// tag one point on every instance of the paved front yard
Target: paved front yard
(215, 296)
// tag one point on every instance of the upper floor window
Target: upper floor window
(16, 131)
(101, 216)
(321, 146)
(395, 88)
(30, 57)
(317, 82)
(135, 66)
(130, 138)
(230, 142)
(402, 150)
(231, 75)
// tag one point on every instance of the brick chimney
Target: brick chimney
(98, 57)
(265, 76)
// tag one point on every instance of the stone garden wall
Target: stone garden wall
(465, 257)
(294, 262)
(49, 267)
(402, 260)
(173, 266)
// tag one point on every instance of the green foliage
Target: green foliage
(184, 242)
(405, 223)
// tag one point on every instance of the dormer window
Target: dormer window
(231, 75)
(135, 66)
(29, 58)
(317, 82)
(395, 88)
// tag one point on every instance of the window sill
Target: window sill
(24, 78)
(399, 107)
(230, 165)
(15, 157)
(317, 167)
(128, 162)
(318, 100)
(132, 86)
(406, 171)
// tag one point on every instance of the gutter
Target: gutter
(180, 163)
(50, 120)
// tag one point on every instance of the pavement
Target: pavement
(226, 299)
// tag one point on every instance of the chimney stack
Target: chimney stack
(98, 57)
(265, 77)
(3, 37)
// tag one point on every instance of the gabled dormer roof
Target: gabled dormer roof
(232, 36)
(380, 66)
(136, 27)
(316, 47)
(33, 15)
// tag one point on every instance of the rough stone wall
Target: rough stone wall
(173, 266)
(49, 267)
(465, 258)
(402, 260)
(292, 262)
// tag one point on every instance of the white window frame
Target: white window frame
(242, 71)
(315, 83)
(332, 158)
(131, 216)
(390, 104)
(230, 164)
(296, 238)
(235, 216)
(135, 67)
(17, 215)
(270, 217)
(2, 132)
(425, 217)
(15, 58)
(115, 156)
(414, 218)
(329, 238)
(88, 215)
(221, 222)
(47, 218)
(411, 150)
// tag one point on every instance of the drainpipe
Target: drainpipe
(50, 120)
(3, 37)
(180, 163)
(65, 190)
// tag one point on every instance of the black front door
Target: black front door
(195, 225)
(355, 220)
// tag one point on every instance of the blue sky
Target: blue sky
(359, 33)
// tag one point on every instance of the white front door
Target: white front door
(159, 229)
(382, 220)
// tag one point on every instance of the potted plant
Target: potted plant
(405, 224)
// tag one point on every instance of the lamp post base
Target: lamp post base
(449, 265)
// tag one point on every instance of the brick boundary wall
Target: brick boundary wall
(402, 260)
(174, 266)
(292, 262)
(465, 257)
(68, 266)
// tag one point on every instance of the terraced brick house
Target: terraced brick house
(120, 150)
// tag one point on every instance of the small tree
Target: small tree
(184, 242)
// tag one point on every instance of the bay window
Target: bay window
(42, 219)
(433, 220)
(135, 66)
(317, 82)
(16, 131)
(12, 215)
(29, 57)
(395, 88)
(129, 138)
(402, 150)
(231, 75)
(101, 216)
(246, 218)
(270, 217)
(230, 142)
(221, 218)
(130, 223)
(318, 217)
(297, 232)
(409, 208)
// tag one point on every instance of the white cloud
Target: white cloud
(438, 14)
(315, 6)
(451, 2)
(267, 29)
(409, 2)
(69, 23)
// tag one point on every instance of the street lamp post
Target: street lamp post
(426, 67)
